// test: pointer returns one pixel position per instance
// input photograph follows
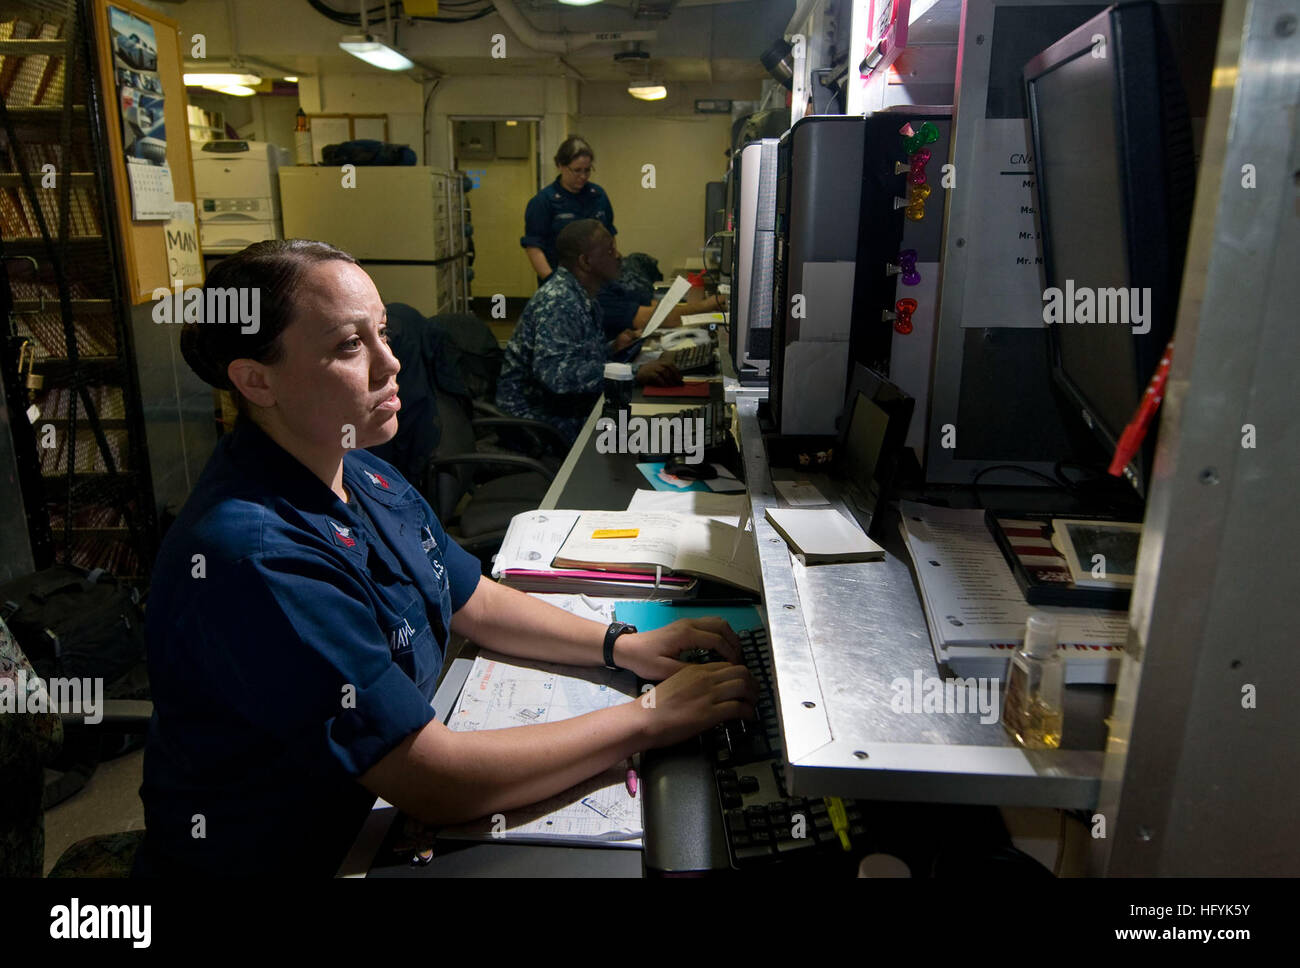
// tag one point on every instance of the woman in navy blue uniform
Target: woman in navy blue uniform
(302, 603)
(570, 197)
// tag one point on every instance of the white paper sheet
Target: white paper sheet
(533, 539)
(726, 508)
(672, 297)
(502, 692)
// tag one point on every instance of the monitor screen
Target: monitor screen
(1083, 201)
(1115, 172)
(863, 442)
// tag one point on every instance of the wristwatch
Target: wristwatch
(613, 632)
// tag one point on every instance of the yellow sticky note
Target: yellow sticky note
(616, 533)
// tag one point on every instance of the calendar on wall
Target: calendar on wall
(141, 101)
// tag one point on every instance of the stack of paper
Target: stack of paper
(823, 536)
(975, 610)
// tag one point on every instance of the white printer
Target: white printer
(238, 191)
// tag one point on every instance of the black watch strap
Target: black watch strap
(613, 632)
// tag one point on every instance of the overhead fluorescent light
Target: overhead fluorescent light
(238, 90)
(647, 92)
(375, 52)
(578, 3)
(217, 81)
(291, 79)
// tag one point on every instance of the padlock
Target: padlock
(33, 380)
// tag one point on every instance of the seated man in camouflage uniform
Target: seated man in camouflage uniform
(555, 362)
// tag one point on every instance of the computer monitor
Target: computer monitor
(1115, 163)
(754, 170)
(872, 436)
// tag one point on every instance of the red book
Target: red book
(681, 390)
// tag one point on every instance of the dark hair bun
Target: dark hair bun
(200, 357)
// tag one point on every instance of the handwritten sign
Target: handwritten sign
(184, 261)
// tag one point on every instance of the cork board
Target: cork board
(144, 244)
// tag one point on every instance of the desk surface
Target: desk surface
(841, 635)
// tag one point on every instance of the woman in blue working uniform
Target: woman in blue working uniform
(302, 601)
(570, 197)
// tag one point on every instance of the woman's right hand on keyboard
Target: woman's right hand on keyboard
(695, 698)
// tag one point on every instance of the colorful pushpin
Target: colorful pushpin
(925, 135)
(905, 308)
(907, 263)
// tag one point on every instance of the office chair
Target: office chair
(27, 744)
(472, 351)
(476, 511)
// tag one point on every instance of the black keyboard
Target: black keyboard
(716, 415)
(699, 356)
(763, 823)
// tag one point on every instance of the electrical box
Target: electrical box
(475, 141)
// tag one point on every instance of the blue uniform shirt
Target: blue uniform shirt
(301, 648)
(555, 206)
(554, 366)
(620, 298)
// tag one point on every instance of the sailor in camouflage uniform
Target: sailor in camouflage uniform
(555, 362)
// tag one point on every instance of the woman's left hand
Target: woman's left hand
(653, 655)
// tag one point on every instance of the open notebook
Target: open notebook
(685, 544)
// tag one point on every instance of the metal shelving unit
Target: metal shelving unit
(75, 440)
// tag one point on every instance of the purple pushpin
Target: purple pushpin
(907, 262)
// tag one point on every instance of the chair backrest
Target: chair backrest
(445, 488)
(472, 349)
(428, 358)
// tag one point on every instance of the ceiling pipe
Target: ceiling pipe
(801, 14)
(561, 43)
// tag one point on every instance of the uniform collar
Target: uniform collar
(560, 188)
(262, 458)
(570, 280)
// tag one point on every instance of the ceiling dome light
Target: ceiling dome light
(647, 92)
(375, 52)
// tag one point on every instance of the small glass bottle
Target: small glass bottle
(1034, 710)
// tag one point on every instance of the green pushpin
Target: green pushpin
(927, 134)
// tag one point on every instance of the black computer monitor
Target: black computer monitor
(873, 432)
(1115, 174)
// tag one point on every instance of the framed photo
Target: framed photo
(1100, 554)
